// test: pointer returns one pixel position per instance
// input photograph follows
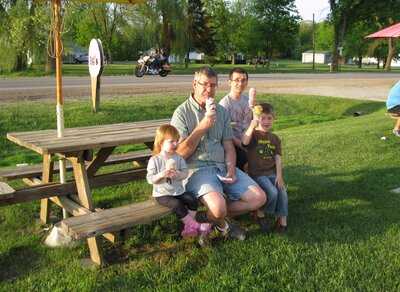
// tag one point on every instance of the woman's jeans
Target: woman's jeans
(277, 199)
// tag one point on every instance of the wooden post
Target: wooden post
(47, 176)
(390, 55)
(85, 198)
(95, 93)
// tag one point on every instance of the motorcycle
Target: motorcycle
(152, 66)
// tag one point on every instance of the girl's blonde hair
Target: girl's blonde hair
(164, 132)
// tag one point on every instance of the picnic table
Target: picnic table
(86, 149)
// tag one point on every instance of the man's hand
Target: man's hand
(231, 177)
(279, 182)
(207, 122)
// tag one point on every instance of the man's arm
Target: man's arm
(188, 145)
(230, 159)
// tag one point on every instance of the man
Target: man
(238, 106)
(206, 144)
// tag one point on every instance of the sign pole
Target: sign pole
(59, 93)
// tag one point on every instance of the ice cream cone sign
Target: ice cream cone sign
(96, 65)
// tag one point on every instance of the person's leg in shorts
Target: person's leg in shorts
(244, 195)
(208, 188)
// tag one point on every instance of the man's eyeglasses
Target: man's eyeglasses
(210, 85)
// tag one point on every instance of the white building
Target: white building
(374, 61)
(320, 57)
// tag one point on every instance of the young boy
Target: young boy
(265, 163)
(239, 110)
(393, 107)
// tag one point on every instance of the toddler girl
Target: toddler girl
(165, 171)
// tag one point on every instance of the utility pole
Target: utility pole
(313, 42)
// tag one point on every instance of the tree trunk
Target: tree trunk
(109, 56)
(339, 29)
(335, 52)
(359, 61)
(20, 64)
(187, 60)
(233, 59)
(269, 56)
(166, 38)
(390, 55)
(377, 65)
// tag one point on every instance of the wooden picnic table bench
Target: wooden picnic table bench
(31, 171)
(75, 195)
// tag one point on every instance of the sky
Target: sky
(306, 9)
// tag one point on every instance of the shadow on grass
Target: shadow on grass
(18, 262)
(342, 207)
(364, 108)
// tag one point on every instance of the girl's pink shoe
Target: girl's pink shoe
(190, 229)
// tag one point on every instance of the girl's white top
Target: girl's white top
(157, 164)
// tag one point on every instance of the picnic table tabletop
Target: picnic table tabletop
(86, 138)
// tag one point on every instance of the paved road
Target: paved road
(369, 86)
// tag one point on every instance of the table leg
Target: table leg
(85, 198)
(47, 176)
(101, 156)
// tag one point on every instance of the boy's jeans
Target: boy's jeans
(277, 200)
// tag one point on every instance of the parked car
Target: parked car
(81, 59)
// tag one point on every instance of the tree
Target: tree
(100, 20)
(305, 36)
(324, 36)
(20, 33)
(344, 13)
(278, 23)
(200, 33)
(354, 43)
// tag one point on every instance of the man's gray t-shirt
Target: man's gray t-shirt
(210, 150)
(157, 164)
(240, 113)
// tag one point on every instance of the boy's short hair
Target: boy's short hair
(239, 71)
(267, 108)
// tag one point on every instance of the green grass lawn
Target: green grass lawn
(344, 224)
(277, 66)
